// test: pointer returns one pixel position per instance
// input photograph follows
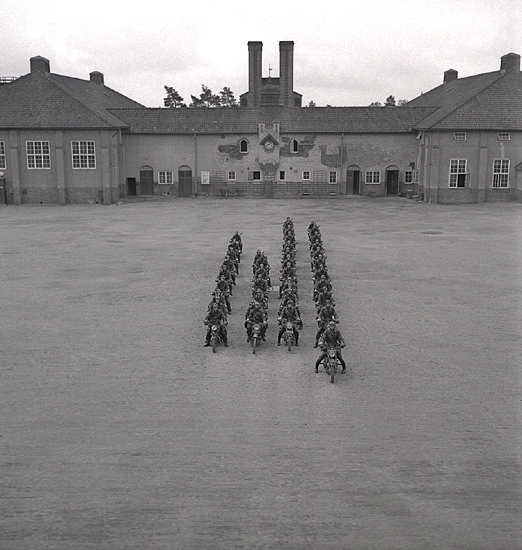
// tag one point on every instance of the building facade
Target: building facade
(66, 140)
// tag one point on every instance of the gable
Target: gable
(491, 101)
(39, 100)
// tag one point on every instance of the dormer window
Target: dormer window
(459, 136)
(243, 146)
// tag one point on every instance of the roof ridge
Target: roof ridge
(470, 98)
(77, 100)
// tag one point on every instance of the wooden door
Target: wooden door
(269, 185)
(392, 182)
(146, 181)
(352, 182)
(185, 182)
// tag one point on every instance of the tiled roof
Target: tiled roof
(39, 100)
(296, 120)
(489, 101)
(352, 119)
(189, 121)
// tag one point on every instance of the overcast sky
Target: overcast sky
(345, 53)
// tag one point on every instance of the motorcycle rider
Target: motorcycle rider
(331, 338)
(290, 313)
(287, 271)
(264, 271)
(216, 317)
(234, 257)
(224, 286)
(326, 314)
(218, 298)
(261, 283)
(256, 315)
(323, 295)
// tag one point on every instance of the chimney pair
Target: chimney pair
(42, 65)
(510, 61)
(286, 73)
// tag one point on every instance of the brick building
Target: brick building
(67, 140)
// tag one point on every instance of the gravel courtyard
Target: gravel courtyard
(119, 430)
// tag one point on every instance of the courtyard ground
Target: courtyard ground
(120, 430)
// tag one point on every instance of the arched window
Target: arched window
(294, 146)
(243, 146)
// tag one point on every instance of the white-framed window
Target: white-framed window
(2, 156)
(83, 155)
(282, 175)
(165, 177)
(205, 177)
(411, 176)
(38, 155)
(294, 146)
(243, 146)
(373, 177)
(231, 175)
(500, 173)
(332, 177)
(458, 176)
(306, 175)
(503, 136)
(459, 136)
(254, 175)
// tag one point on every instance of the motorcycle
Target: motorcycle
(330, 362)
(215, 337)
(255, 336)
(288, 335)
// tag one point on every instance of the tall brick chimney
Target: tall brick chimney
(255, 68)
(286, 73)
(40, 64)
(450, 75)
(510, 61)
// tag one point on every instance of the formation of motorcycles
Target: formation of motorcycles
(288, 316)
(328, 338)
(256, 316)
(219, 307)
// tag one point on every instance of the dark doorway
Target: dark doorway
(353, 177)
(146, 181)
(269, 185)
(185, 181)
(131, 187)
(392, 182)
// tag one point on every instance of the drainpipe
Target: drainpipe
(342, 160)
(195, 179)
(427, 165)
